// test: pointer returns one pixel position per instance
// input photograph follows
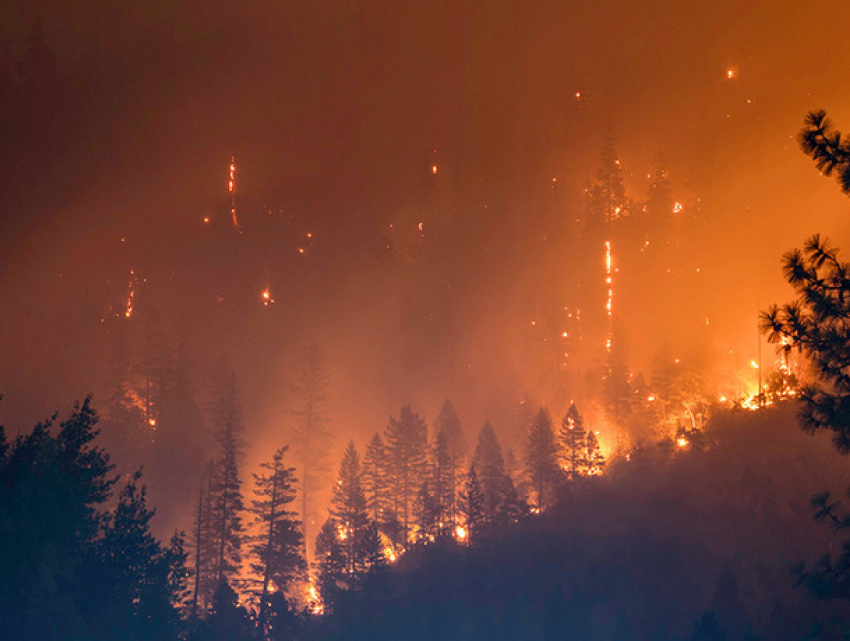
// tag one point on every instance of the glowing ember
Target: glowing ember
(677, 208)
(460, 533)
(434, 169)
(682, 441)
(266, 297)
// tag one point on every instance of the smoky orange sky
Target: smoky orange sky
(337, 113)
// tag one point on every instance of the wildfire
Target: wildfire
(131, 295)
(609, 305)
(314, 599)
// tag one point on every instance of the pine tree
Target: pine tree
(375, 478)
(490, 468)
(141, 583)
(472, 506)
(595, 459)
(349, 510)
(407, 442)
(574, 443)
(448, 422)
(827, 147)
(425, 513)
(373, 548)
(541, 458)
(203, 543)
(277, 546)
(442, 481)
(310, 437)
(226, 494)
(331, 563)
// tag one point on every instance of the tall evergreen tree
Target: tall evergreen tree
(574, 443)
(407, 442)
(349, 510)
(425, 513)
(276, 548)
(375, 482)
(490, 467)
(595, 458)
(472, 506)
(331, 564)
(311, 437)
(541, 458)
(203, 543)
(140, 583)
(443, 482)
(448, 422)
(226, 494)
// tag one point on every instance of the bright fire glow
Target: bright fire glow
(682, 441)
(314, 599)
(461, 533)
(677, 208)
(131, 295)
(434, 169)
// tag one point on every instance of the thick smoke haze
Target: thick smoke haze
(410, 177)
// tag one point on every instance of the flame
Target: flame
(314, 599)
(460, 533)
(682, 441)
(131, 295)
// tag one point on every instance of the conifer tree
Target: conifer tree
(448, 422)
(574, 443)
(425, 512)
(541, 458)
(472, 506)
(349, 510)
(203, 543)
(407, 442)
(442, 481)
(594, 456)
(373, 548)
(375, 478)
(310, 436)
(490, 468)
(226, 494)
(331, 563)
(276, 548)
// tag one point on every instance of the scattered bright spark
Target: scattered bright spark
(152, 422)
(682, 441)
(677, 208)
(300, 250)
(578, 95)
(206, 219)
(231, 188)
(754, 365)
(730, 73)
(434, 169)
(266, 296)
